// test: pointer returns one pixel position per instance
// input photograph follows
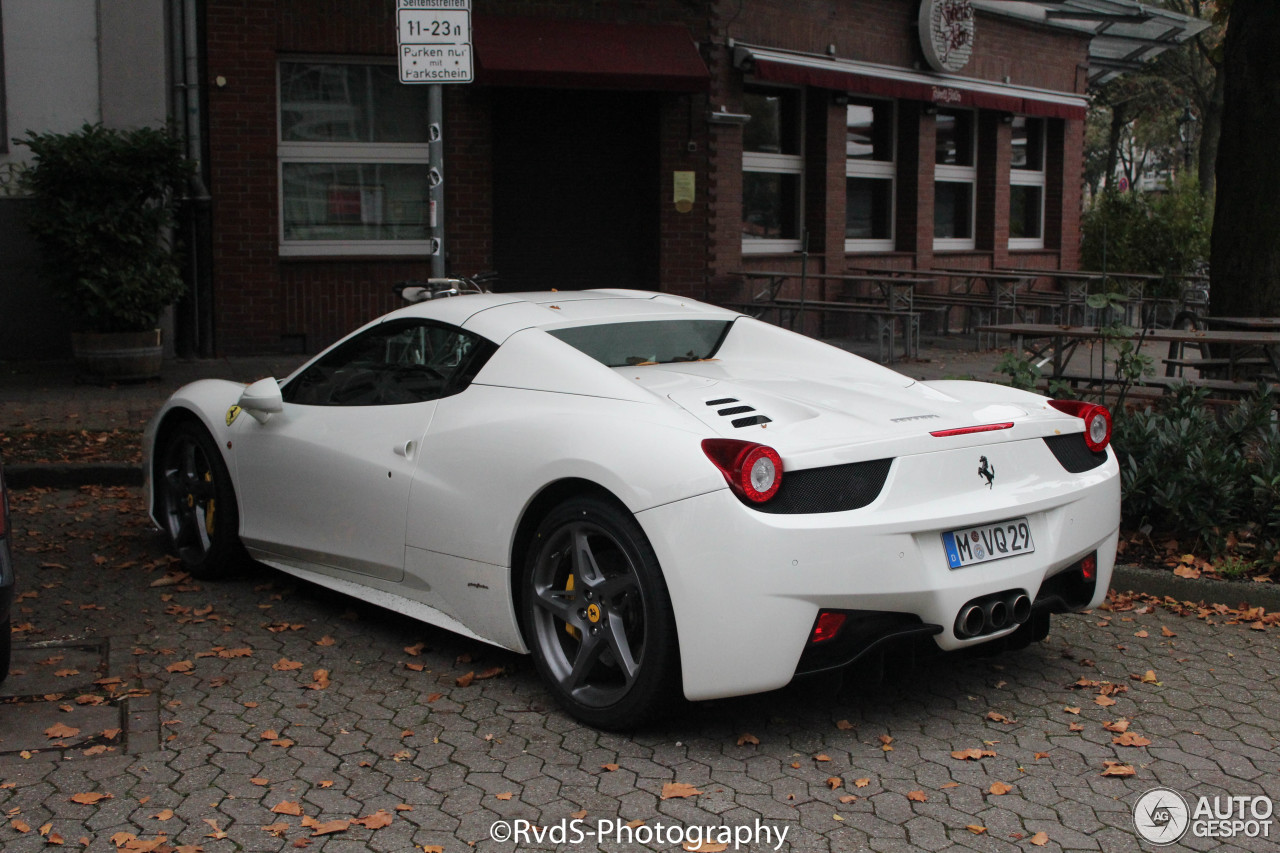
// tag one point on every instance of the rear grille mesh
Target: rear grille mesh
(1074, 454)
(836, 488)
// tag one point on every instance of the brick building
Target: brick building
(656, 144)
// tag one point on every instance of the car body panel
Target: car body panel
(8, 582)
(330, 484)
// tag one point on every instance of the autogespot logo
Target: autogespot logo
(1161, 816)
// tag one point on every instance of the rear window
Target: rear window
(646, 342)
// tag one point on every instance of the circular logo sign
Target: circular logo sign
(1161, 816)
(946, 33)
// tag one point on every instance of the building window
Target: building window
(1026, 184)
(869, 175)
(354, 166)
(772, 170)
(955, 176)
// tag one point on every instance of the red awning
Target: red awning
(586, 55)
(865, 78)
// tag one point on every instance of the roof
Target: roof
(497, 316)
(1125, 33)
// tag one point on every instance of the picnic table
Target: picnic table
(1245, 350)
(889, 304)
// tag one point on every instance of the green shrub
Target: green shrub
(1158, 233)
(1185, 468)
(104, 204)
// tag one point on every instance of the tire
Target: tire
(598, 616)
(198, 503)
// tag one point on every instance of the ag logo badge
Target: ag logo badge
(232, 414)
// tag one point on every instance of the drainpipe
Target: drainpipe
(197, 318)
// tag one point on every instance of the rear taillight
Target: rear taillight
(1097, 421)
(752, 470)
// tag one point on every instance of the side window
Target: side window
(394, 363)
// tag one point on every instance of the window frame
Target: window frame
(778, 164)
(1029, 176)
(875, 170)
(945, 173)
(345, 154)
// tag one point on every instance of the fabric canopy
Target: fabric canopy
(865, 78)
(586, 55)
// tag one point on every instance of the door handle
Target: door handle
(405, 450)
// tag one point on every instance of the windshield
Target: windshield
(646, 342)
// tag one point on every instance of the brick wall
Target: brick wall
(265, 303)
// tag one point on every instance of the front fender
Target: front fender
(212, 403)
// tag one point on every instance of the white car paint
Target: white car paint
(420, 504)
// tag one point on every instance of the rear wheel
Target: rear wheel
(599, 616)
(198, 503)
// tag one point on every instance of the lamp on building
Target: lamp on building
(1186, 133)
(723, 116)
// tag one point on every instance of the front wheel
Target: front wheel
(198, 503)
(599, 617)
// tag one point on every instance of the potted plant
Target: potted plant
(104, 205)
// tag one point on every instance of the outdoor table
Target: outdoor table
(892, 306)
(1058, 343)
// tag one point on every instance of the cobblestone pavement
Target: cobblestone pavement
(263, 714)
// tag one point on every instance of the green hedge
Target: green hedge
(1186, 469)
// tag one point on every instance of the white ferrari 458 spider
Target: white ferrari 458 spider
(649, 494)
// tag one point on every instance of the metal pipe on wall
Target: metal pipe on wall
(197, 320)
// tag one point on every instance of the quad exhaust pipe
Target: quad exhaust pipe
(992, 613)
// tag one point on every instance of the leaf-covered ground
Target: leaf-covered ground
(37, 446)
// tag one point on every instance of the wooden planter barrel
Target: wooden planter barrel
(118, 356)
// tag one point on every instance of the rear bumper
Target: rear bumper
(747, 586)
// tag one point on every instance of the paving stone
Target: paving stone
(194, 743)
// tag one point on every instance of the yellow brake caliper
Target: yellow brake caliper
(208, 510)
(569, 629)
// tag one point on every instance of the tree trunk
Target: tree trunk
(1210, 134)
(1118, 121)
(1245, 255)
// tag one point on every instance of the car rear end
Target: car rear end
(957, 532)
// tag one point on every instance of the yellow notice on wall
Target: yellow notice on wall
(683, 184)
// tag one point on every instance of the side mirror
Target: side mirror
(262, 399)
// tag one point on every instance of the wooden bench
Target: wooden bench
(1164, 383)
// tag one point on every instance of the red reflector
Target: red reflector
(943, 433)
(827, 626)
(1089, 568)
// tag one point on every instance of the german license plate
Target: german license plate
(988, 542)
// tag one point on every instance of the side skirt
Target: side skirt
(382, 598)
